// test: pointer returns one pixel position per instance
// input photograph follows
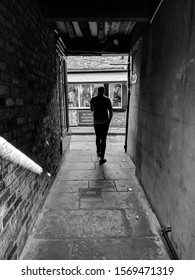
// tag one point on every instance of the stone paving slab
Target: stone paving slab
(79, 158)
(105, 185)
(63, 200)
(122, 200)
(90, 152)
(80, 175)
(139, 222)
(124, 158)
(116, 249)
(58, 224)
(95, 249)
(91, 204)
(107, 166)
(117, 174)
(109, 159)
(94, 193)
(47, 250)
(91, 138)
(68, 186)
(126, 185)
(117, 224)
(126, 164)
(89, 130)
(77, 166)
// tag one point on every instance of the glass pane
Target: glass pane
(73, 99)
(116, 94)
(85, 95)
(95, 89)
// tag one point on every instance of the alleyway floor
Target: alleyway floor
(96, 211)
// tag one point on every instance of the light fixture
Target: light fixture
(115, 42)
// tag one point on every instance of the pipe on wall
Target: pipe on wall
(128, 102)
(165, 232)
(158, 7)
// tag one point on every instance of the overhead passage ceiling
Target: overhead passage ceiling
(97, 28)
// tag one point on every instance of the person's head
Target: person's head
(101, 91)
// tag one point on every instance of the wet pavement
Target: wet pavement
(96, 211)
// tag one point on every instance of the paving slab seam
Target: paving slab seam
(119, 229)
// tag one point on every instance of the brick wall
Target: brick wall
(119, 119)
(29, 116)
(96, 62)
(162, 121)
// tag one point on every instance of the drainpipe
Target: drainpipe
(66, 92)
(155, 12)
(165, 232)
(128, 103)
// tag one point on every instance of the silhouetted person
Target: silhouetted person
(102, 115)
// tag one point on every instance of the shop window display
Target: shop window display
(79, 95)
(95, 89)
(85, 95)
(115, 93)
(73, 96)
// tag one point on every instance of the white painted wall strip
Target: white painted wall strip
(10, 153)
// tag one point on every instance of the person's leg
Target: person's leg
(104, 132)
(98, 138)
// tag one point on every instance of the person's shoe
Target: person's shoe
(102, 160)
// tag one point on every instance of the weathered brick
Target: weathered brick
(2, 185)
(29, 109)
(2, 20)
(19, 102)
(7, 135)
(7, 217)
(24, 219)
(10, 102)
(13, 185)
(11, 250)
(4, 90)
(11, 200)
(16, 132)
(4, 197)
(29, 222)
(18, 201)
(3, 66)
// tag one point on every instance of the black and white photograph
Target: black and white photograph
(97, 137)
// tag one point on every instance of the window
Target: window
(85, 95)
(95, 89)
(79, 95)
(115, 94)
(73, 96)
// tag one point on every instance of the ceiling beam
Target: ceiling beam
(85, 29)
(77, 29)
(93, 28)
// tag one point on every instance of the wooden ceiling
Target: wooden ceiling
(97, 28)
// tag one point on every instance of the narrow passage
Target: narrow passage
(96, 211)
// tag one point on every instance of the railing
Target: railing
(12, 154)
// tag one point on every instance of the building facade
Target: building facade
(85, 75)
